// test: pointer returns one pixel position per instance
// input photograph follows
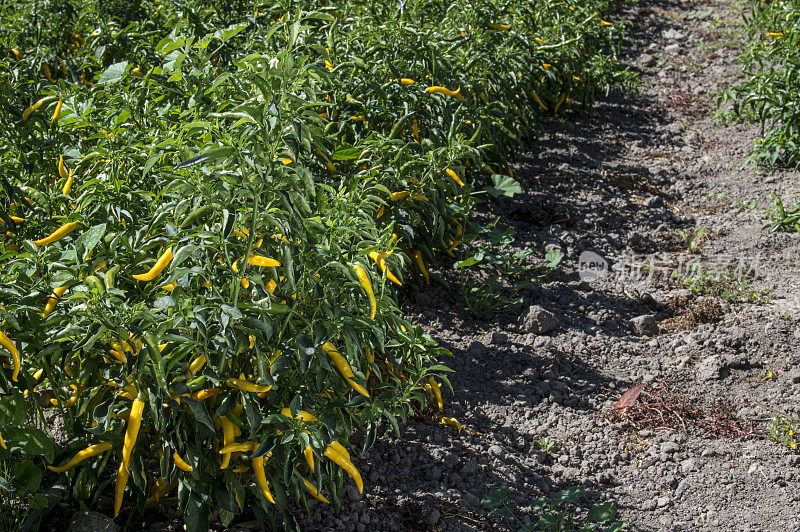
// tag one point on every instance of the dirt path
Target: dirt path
(690, 454)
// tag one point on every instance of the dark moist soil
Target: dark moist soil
(692, 452)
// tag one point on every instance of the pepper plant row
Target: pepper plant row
(771, 92)
(210, 211)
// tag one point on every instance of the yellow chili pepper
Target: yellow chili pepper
(496, 26)
(27, 112)
(157, 268)
(92, 450)
(247, 386)
(228, 437)
(180, 463)
(417, 256)
(340, 460)
(343, 367)
(131, 433)
(2, 442)
(339, 448)
(15, 358)
(450, 422)
(379, 258)
(57, 112)
(261, 477)
(309, 455)
(119, 488)
(363, 280)
(47, 74)
(201, 395)
(456, 93)
(241, 447)
(58, 234)
(67, 185)
(258, 260)
(559, 102)
(455, 177)
(407, 81)
(399, 196)
(51, 303)
(305, 416)
(314, 492)
(437, 392)
(197, 364)
(538, 100)
(62, 169)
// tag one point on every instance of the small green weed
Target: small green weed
(725, 284)
(19, 492)
(545, 444)
(692, 240)
(485, 293)
(785, 430)
(555, 514)
(782, 219)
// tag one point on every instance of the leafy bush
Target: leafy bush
(207, 208)
(771, 92)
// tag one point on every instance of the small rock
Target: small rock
(673, 35)
(688, 465)
(433, 473)
(672, 48)
(469, 467)
(499, 338)
(711, 368)
(91, 522)
(647, 60)
(644, 325)
(669, 447)
(683, 485)
(662, 502)
(432, 517)
(539, 321)
(495, 450)
(649, 505)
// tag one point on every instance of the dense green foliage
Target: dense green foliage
(213, 132)
(771, 92)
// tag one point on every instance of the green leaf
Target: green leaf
(343, 153)
(12, 409)
(200, 413)
(469, 261)
(554, 257)
(569, 495)
(182, 254)
(196, 514)
(495, 498)
(89, 239)
(30, 441)
(211, 155)
(603, 512)
(113, 73)
(38, 501)
(503, 185)
(27, 477)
